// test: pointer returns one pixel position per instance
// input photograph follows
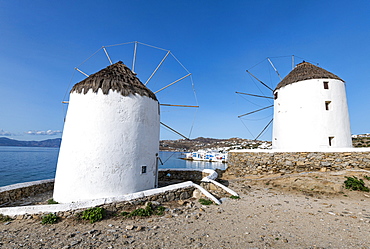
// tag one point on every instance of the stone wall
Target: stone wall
(183, 175)
(15, 192)
(241, 164)
(18, 191)
(173, 195)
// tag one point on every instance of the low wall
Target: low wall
(184, 174)
(171, 195)
(15, 192)
(174, 192)
(21, 190)
(180, 174)
(245, 163)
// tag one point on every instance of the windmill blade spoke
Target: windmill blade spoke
(254, 95)
(195, 106)
(173, 130)
(274, 68)
(106, 53)
(159, 65)
(260, 81)
(264, 129)
(134, 57)
(255, 111)
(79, 70)
(172, 83)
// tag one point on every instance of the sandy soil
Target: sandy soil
(310, 210)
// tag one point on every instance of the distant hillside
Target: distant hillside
(55, 143)
(209, 143)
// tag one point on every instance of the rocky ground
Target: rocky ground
(310, 210)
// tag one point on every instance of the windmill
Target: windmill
(110, 139)
(310, 109)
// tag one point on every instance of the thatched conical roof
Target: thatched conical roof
(117, 77)
(306, 71)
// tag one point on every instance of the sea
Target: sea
(26, 164)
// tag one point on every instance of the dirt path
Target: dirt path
(272, 213)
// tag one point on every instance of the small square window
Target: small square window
(143, 169)
(326, 85)
(327, 105)
(331, 141)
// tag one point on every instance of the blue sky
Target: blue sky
(217, 41)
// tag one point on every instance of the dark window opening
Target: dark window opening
(326, 85)
(143, 169)
(327, 105)
(331, 141)
(275, 95)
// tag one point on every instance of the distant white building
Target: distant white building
(110, 139)
(310, 111)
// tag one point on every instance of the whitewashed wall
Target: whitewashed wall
(301, 121)
(106, 141)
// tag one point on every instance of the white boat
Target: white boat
(206, 155)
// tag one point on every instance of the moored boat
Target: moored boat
(206, 155)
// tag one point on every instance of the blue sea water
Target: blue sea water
(25, 164)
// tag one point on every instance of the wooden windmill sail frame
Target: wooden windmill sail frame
(263, 96)
(135, 51)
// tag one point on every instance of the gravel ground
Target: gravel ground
(268, 215)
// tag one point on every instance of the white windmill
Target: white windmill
(310, 110)
(110, 140)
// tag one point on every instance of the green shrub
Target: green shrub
(234, 197)
(5, 218)
(125, 213)
(49, 219)
(160, 210)
(141, 212)
(93, 214)
(205, 202)
(353, 183)
(367, 177)
(51, 201)
(145, 212)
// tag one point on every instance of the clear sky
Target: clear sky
(217, 41)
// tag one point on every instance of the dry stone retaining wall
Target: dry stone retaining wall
(241, 164)
(18, 191)
(173, 195)
(185, 175)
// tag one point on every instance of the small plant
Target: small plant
(125, 213)
(51, 201)
(160, 210)
(145, 212)
(367, 177)
(234, 197)
(205, 202)
(353, 183)
(5, 218)
(49, 219)
(141, 212)
(93, 214)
